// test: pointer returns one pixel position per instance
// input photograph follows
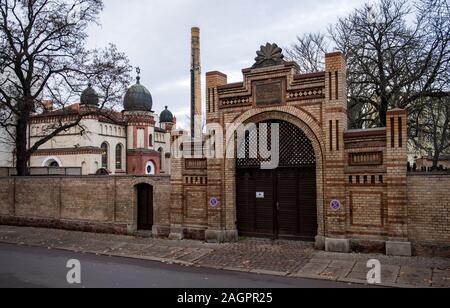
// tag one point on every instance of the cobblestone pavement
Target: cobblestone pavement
(280, 258)
(262, 256)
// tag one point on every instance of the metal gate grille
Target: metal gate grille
(295, 149)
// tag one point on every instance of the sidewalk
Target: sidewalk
(281, 258)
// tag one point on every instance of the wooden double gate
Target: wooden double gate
(279, 203)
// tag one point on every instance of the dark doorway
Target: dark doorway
(279, 203)
(145, 206)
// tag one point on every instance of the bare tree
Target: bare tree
(43, 56)
(398, 55)
(309, 51)
(391, 62)
(430, 127)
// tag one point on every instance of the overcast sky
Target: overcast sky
(155, 34)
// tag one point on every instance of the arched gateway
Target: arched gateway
(344, 188)
(279, 202)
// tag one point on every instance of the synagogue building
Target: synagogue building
(107, 141)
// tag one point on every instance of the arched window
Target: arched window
(52, 162)
(150, 168)
(160, 150)
(119, 157)
(150, 140)
(104, 155)
(84, 169)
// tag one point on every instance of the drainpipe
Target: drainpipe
(29, 142)
(126, 149)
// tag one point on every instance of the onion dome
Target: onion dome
(166, 116)
(89, 97)
(138, 98)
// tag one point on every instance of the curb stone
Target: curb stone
(315, 277)
(271, 273)
(236, 269)
(216, 267)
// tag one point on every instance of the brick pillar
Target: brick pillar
(220, 226)
(177, 199)
(334, 125)
(396, 180)
(213, 80)
(214, 190)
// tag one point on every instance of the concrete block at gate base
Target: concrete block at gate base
(221, 236)
(320, 242)
(176, 233)
(131, 229)
(337, 245)
(401, 249)
(160, 231)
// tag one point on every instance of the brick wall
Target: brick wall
(429, 210)
(100, 204)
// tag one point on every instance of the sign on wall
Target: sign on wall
(213, 202)
(269, 92)
(260, 195)
(335, 205)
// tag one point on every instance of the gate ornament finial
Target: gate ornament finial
(269, 55)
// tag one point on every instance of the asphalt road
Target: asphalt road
(31, 267)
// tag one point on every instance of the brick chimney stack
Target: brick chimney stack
(196, 97)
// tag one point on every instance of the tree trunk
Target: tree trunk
(436, 161)
(383, 114)
(21, 145)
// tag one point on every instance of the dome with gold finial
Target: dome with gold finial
(138, 97)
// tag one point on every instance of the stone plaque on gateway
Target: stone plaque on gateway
(269, 92)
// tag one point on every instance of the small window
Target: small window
(161, 158)
(104, 148)
(150, 140)
(140, 138)
(119, 149)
